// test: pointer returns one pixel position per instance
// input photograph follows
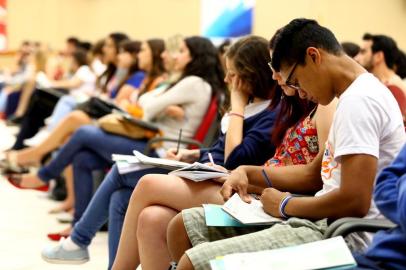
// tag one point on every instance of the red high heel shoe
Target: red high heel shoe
(15, 180)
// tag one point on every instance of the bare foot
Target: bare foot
(66, 206)
(24, 157)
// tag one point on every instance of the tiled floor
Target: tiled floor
(24, 223)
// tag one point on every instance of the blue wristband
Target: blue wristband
(282, 206)
(268, 181)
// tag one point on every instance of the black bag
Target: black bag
(97, 108)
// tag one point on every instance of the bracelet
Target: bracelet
(268, 181)
(236, 114)
(282, 206)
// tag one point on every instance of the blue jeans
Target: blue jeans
(89, 149)
(65, 105)
(109, 202)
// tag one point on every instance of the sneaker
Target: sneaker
(38, 138)
(57, 254)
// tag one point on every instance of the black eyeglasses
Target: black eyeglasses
(292, 85)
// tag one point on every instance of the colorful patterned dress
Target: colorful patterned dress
(299, 146)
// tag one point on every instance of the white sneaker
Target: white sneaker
(38, 138)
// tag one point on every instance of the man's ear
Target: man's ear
(314, 54)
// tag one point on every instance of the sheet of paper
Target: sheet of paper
(159, 161)
(126, 167)
(331, 253)
(248, 213)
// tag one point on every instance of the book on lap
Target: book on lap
(249, 213)
(139, 161)
(331, 253)
(199, 172)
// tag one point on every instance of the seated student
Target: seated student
(296, 133)
(40, 105)
(83, 84)
(154, 73)
(367, 132)
(14, 78)
(387, 250)
(80, 86)
(115, 191)
(379, 55)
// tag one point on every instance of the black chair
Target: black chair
(345, 226)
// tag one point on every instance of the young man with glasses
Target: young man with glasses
(366, 134)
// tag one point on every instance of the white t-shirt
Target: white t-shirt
(88, 79)
(367, 121)
(249, 110)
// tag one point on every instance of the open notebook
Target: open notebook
(331, 253)
(139, 161)
(248, 213)
(199, 172)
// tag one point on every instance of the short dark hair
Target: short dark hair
(350, 48)
(85, 45)
(401, 64)
(73, 40)
(80, 57)
(290, 44)
(386, 45)
(367, 36)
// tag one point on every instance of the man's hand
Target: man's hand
(238, 182)
(271, 199)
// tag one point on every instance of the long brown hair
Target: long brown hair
(157, 46)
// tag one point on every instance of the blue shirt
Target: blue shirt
(389, 247)
(134, 80)
(256, 147)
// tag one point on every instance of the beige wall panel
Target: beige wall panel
(52, 21)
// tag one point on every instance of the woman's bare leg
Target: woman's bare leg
(25, 98)
(68, 203)
(165, 190)
(65, 128)
(151, 234)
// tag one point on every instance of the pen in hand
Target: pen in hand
(211, 158)
(179, 138)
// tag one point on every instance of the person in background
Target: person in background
(378, 55)
(350, 48)
(97, 58)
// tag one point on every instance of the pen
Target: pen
(180, 136)
(210, 158)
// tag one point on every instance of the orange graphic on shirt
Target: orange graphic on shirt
(329, 164)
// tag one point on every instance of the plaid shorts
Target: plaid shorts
(211, 242)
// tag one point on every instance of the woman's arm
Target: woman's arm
(302, 179)
(123, 97)
(185, 91)
(239, 99)
(67, 84)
